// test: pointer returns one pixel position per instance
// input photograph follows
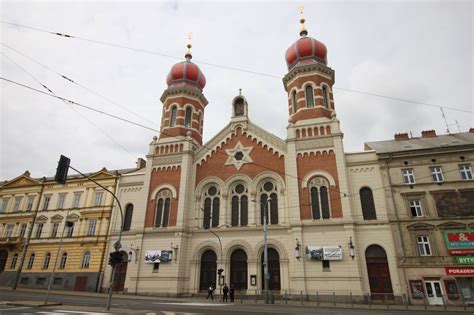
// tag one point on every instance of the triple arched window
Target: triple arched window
(162, 208)
(188, 117)
(309, 96)
(295, 102)
(211, 207)
(367, 204)
(269, 203)
(319, 194)
(240, 201)
(173, 116)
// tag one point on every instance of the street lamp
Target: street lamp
(265, 250)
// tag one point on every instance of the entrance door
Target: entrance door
(121, 272)
(81, 283)
(208, 270)
(273, 270)
(238, 269)
(378, 273)
(434, 293)
(3, 259)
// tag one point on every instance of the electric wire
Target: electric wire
(64, 35)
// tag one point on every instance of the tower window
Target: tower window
(162, 210)
(295, 104)
(188, 117)
(309, 96)
(325, 97)
(239, 107)
(173, 116)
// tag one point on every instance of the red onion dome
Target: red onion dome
(306, 50)
(186, 73)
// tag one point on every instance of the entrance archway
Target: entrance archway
(238, 269)
(208, 270)
(378, 272)
(3, 259)
(273, 270)
(121, 272)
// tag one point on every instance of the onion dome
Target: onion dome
(305, 50)
(186, 73)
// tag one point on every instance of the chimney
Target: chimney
(471, 130)
(401, 136)
(428, 134)
(141, 163)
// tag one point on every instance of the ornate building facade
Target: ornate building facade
(198, 208)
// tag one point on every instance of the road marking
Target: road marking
(190, 304)
(71, 312)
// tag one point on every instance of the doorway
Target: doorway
(121, 272)
(434, 293)
(238, 269)
(273, 270)
(208, 270)
(378, 273)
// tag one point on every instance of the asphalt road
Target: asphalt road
(77, 304)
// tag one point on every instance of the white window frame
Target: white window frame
(466, 172)
(408, 176)
(76, 202)
(423, 242)
(46, 260)
(86, 259)
(63, 261)
(29, 204)
(22, 230)
(17, 203)
(9, 230)
(70, 230)
(61, 199)
(98, 198)
(54, 229)
(416, 205)
(437, 174)
(91, 227)
(46, 201)
(39, 230)
(4, 207)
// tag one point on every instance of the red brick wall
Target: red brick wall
(169, 176)
(309, 163)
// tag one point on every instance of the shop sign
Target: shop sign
(460, 242)
(324, 252)
(465, 260)
(459, 271)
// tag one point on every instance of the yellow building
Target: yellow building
(86, 208)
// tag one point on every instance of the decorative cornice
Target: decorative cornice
(176, 90)
(298, 70)
(314, 143)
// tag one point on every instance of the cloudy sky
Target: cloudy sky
(420, 51)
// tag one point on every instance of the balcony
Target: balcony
(429, 261)
(10, 241)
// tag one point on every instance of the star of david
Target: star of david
(238, 156)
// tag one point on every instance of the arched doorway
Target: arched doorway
(208, 270)
(3, 259)
(273, 270)
(378, 272)
(121, 272)
(238, 269)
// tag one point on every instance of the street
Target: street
(125, 304)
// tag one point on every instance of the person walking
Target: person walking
(225, 290)
(209, 293)
(231, 291)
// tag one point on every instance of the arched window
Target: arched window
(128, 217)
(269, 191)
(86, 260)
(47, 259)
(239, 206)
(14, 261)
(367, 203)
(320, 208)
(239, 109)
(188, 117)
(211, 207)
(309, 96)
(62, 263)
(31, 261)
(162, 210)
(295, 102)
(325, 97)
(173, 116)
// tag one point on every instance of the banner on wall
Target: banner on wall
(157, 256)
(324, 252)
(460, 242)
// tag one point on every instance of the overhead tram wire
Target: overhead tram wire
(71, 107)
(67, 78)
(225, 67)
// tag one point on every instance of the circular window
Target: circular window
(239, 189)
(212, 191)
(239, 155)
(268, 186)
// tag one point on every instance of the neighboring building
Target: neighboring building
(80, 202)
(430, 193)
(319, 200)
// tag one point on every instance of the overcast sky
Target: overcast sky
(421, 51)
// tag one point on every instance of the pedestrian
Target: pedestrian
(231, 291)
(225, 290)
(209, 293)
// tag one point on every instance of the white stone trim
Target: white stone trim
(161, 187)
(321, 173)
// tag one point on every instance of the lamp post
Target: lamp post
(266, 276)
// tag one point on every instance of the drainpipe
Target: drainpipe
(402, 243)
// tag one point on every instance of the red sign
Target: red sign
(461, 252)
(459, 271)
(460, 236)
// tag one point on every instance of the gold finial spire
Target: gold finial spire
(188, 54)
(240, 91)
(303, 31)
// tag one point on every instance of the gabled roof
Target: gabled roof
(427, 143)
(20, 181)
